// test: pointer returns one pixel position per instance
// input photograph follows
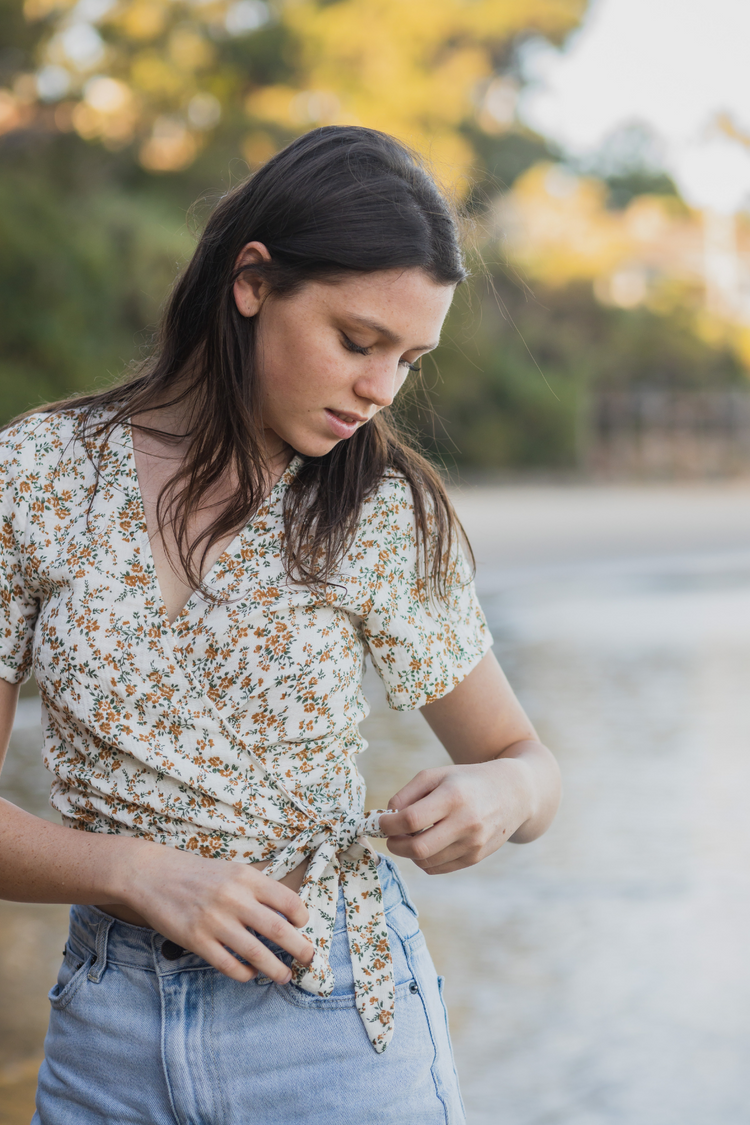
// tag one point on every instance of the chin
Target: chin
(310, 446)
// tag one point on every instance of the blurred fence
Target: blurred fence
(662, 434)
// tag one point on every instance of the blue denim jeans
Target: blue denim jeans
(138, 1039)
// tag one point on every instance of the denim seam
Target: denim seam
(434, 1067)
(67, 993)
(163, 1042)
(441, 981)
(212, 1051)
(96, 972)
(405, 896)
(312, 1002)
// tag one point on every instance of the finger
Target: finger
(247, 946)
(225, 962)
(280, 898)
(426, 845)
(461, 851)
(276, 928)
(446, 868)
(419, 786)
(425, 813)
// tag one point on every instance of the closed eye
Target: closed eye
(358, 349)
(352, 347)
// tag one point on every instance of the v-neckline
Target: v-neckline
(231, 548)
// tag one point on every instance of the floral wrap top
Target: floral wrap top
(234, 730)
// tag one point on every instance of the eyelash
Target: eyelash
(352, 347)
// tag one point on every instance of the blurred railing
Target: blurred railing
(660, 434)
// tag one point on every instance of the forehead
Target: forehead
(404, 301)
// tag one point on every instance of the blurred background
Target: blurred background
(591, 405)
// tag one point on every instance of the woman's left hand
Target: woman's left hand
(454, 816)
(505, 784)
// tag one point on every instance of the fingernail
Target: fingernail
(287, 978)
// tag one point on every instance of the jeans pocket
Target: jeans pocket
(72, 974)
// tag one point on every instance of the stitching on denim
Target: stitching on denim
(300, 999)
(408, 950)
(224, 1108)
(163, 1040)
(67, 993)
(96, 972)
(441, 982)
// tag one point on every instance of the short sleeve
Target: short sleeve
(18, 596)
(421, 647)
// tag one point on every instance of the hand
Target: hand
(455, 816)
(207, 905)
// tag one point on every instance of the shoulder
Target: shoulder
(389, 505)
(385, 536)
(39, 437)
(47, 454)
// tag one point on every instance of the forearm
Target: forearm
(43, 862)
(539, 787)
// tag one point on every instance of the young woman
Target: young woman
(194, 565)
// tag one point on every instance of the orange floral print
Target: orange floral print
(234, 730)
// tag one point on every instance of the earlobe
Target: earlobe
(250, 288)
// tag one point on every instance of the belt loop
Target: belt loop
(399, 881)
(99, 963)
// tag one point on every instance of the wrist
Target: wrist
(527, 798)
(119, 874)
(538, 780)
(520, 795)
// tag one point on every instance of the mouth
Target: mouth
(342, 423)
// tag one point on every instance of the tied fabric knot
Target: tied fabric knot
(340, 855)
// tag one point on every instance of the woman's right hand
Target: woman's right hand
(205, 905)
(209, 906)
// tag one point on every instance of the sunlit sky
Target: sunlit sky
(674, 65)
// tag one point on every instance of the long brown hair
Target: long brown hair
(336, 201)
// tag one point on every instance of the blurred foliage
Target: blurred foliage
(116, 116)
(511, 382)
(79, 286)
(166, 77)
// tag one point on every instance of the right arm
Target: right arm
(204, 905)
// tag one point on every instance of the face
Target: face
(333, 354)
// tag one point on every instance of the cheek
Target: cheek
(303, 372)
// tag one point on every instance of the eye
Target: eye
(352, 347)
(412, 366)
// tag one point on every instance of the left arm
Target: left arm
(505, 785)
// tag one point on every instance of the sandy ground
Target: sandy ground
(515, 527)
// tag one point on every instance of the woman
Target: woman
(195, 564)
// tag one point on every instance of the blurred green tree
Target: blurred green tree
(511, 382)
(115, 116)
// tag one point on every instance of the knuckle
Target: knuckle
(420, 850)
(410, 821)
(275, 929)
(228, 965)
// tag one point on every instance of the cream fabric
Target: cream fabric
(233, 731)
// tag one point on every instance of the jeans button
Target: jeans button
(413, 987)
(171, 950)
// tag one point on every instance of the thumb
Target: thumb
(419, 786)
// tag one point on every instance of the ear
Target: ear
(249, 288)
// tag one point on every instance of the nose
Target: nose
(379, 384)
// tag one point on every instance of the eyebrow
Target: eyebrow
(375, 326)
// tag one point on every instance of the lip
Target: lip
(341, 428)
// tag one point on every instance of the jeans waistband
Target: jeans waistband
(93, 933)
